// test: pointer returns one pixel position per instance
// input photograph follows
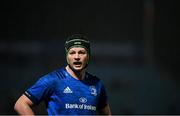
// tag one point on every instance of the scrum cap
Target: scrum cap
(77, 40)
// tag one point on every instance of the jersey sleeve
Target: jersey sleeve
(40, 90)
(103, 99)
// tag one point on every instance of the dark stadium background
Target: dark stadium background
(135, 49)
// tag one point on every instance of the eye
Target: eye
(71, 52)
(82, 52)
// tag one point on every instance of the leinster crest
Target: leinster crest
(93, 90)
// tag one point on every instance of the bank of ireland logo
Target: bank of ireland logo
(93, 90)
(83, 100)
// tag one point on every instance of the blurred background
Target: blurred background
(134, 49)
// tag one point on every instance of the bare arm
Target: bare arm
(23, 106)
(105, 111)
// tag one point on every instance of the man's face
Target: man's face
(77, 58)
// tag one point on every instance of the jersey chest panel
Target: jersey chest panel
(76, 95)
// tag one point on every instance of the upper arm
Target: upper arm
(103, 106)
(23, 106)
(41, 90)
(24, 100)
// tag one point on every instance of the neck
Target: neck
(79, 75)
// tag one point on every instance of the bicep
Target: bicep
(24, 100)
(23, 105)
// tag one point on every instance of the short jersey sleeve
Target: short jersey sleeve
(40, 90)
(103, 99)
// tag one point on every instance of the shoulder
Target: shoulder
(93, 78)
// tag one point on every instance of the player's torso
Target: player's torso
(72, 96)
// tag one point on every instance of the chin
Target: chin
(77, 69)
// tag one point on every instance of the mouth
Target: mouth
(77, 64)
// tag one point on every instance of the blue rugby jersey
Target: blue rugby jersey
(64, 94)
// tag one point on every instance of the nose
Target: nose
(76, 57)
